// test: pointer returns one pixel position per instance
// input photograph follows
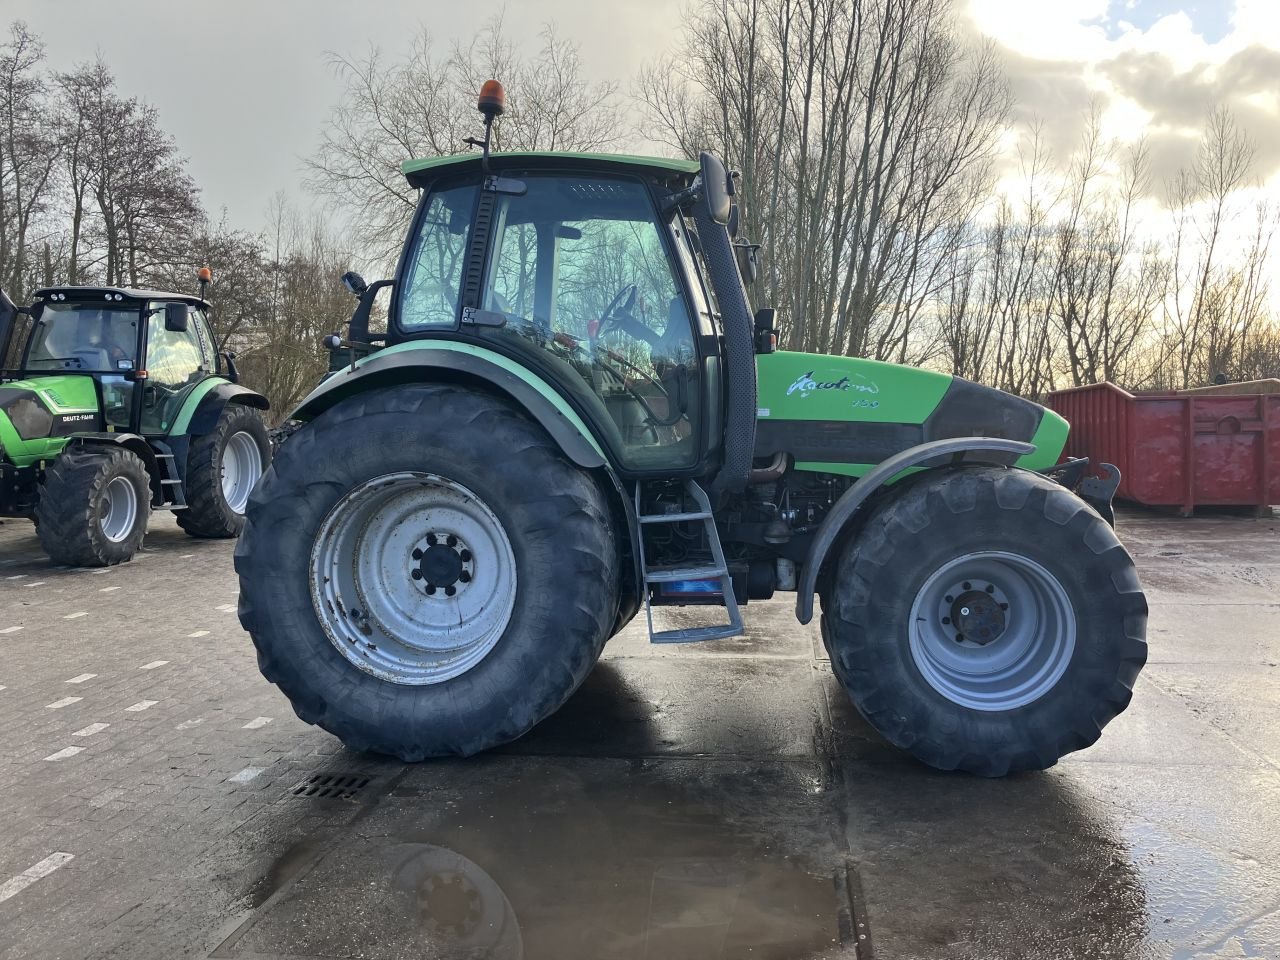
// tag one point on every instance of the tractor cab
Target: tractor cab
(114, 401)
(117, 338)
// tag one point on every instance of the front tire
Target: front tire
(423, 572)
(222, 469)
(986, 620)
(93, 507)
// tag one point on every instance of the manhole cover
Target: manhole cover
(334, 786)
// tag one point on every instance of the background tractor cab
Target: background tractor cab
(90, 371)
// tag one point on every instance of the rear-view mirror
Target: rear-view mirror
(175, 317)
(715, 188)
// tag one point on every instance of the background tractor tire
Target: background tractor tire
(388, 493)
(222, 468)
(987, 620)
(93, 507)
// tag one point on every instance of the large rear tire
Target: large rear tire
(93, 507)
(424, 573)
(222, 468)
(986, 620)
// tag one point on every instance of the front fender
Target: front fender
(955, 449)
(416, 362)
(201, 416)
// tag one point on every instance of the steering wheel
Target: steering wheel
(618, 314)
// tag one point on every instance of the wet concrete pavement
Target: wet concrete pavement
(161, 800)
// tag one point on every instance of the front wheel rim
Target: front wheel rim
(992, 631)
(119, 510)
(241, 469)
(413, 578)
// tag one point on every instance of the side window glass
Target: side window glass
(433, 281)
(173, 357)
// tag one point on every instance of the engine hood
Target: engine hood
(842, 414)
(37, 415)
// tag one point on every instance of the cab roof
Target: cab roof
(420, 170)
(81, 294)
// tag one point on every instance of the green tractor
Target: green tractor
(575, 413)
(115, 402)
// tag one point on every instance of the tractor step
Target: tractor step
(169, 479)
(674, 517)
(718, 570)
(695, 634)
(675, 574)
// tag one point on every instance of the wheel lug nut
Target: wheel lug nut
(417, 554)
(1004, 606)
(431, 539)
(990, 588)
(465, 554)
(950, 598)
(450, 591)
(431, 590)
(946, 621)
(452, 541)
(959, 638)
(967, 585)
(416, 574)
(464, 577)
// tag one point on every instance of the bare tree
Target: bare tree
(424, 105)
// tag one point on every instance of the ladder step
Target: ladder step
(695, 634)
(163, 456)
(674, 517)
(169, 482)
(671, 574)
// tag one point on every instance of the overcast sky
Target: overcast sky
(244, 85)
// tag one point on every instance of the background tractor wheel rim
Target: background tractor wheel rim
(241, 469)
(1022, 630)
(119, 511)
(413, 578)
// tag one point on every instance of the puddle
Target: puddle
(535, 858)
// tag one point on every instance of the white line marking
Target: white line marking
(91, 729)
(75, 616)
(64, 702)
(247, 774)
(10, 630)
(108, 589)
(256, 722)
(153, 664)
(227, 607)
(38, 583)
(142, 705)
(27, 877)
(105, 797)
(99, 573)
(186, 556)
(82, 678)
(16, 576)
(64, 753)
(199, 633)
(3, 687)
(188, 724)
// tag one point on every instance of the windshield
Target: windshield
(84, 336)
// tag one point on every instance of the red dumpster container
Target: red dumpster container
(1180, 450)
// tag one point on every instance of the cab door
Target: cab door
(175, 361)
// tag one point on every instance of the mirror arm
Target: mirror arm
(358, 327)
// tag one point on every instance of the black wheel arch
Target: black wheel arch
(990, 450)
(210, 407)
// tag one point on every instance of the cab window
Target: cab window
(579, 270)
(433, 278)
(175, 364)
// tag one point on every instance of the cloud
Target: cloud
(1179, 97)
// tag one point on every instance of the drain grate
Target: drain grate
(335, 786)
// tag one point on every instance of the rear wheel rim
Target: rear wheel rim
(992, 631)
(413, 578)
(119, 510)
(241, 469)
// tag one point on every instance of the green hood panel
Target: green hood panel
(814, 386)
(845, 414)
(67, 404)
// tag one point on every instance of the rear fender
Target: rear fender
(200, 412)
(933, 454)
